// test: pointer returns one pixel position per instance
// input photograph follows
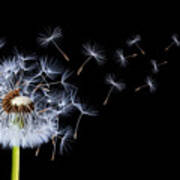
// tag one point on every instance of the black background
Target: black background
(135, 135)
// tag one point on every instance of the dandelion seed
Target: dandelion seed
(175, 42)
(110, 79)
(156, 66)
(66, 136)
(134, 42)
(84, 110)
(149, 84)
(50, 37)
(92, 52)
(2, 43)
(123, 60)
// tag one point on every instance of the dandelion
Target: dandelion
(123, 60)
(84, 110)
(29, 111)
(175, 42)
(50, 37)
(157, 65)
(110, 79)
(134, 42)
(92, 51)
(149, 84)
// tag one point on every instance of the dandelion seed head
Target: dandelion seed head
(29, 108)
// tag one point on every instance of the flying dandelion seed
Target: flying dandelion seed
(156, 66)
(149, 84)
(175, 42)
(92, 51)
(123, 60)
(50, 37)
(134, 42)
(110, 79)
(84, 110)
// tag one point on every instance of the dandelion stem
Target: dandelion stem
(54, 148)
(37, 151)
(108, 96)
(61, 51)
(15, 163)
(82, 66)
(77, 126)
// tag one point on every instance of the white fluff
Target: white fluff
(93, 50)
(110, 79)
(50, 36)
(38, 127)
(134, 40)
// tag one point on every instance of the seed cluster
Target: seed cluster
(10, 108)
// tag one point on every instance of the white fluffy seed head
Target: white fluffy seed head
(41, 123)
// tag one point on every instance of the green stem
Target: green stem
(15, 163)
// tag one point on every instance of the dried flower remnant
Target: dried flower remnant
(156, 65)
(50, 37)
(123, 60)
(134, 42)
(149, 84)
(120, 86)
(92, 51)
(175, 42)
